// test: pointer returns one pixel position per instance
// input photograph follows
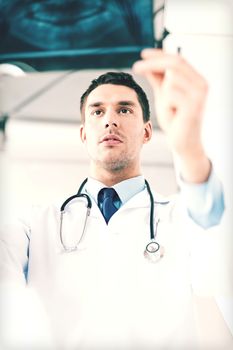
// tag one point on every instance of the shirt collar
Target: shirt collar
(125, 189)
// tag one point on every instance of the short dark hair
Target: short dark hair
(119, 78)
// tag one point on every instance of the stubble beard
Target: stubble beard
(114, 166)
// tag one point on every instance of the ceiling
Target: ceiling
(51, 96)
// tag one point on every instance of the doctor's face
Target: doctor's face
(114, 130)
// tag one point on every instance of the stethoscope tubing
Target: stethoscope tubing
(153, 251)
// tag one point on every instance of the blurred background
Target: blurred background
(49, 52)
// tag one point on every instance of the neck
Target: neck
(110, 178)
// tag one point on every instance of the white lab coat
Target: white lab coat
(107, 295)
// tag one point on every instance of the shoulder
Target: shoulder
(26, 216)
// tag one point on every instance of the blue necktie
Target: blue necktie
(106, 197)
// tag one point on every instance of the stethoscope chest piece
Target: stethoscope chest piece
(153, 252)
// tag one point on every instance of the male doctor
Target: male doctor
(106, 294)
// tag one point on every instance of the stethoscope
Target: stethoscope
(153, 251)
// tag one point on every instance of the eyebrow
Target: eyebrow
(119, 103)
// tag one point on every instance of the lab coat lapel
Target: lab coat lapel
(139, 200)
(142, 200)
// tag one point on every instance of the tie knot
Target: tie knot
(107, 192)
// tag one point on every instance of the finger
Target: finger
(155, 80)
(148, 52)
(161, 66)
(158, 61)
(172, 78)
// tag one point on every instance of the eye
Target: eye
(97, 112)
(124, 111)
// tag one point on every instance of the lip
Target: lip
(111, 140)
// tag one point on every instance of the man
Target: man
(180, 99)
(103, 293)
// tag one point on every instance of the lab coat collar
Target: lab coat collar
(140, 200)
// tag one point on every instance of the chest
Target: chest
(108, 281)
(110, 254)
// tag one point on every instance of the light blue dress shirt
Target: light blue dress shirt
(205, 201)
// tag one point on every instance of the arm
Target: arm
(24, 321)
(14, 243)
(180, 95)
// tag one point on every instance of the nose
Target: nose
(110, 120)
(107, 125)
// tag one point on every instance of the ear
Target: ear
(82, 132)
(147, 131)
